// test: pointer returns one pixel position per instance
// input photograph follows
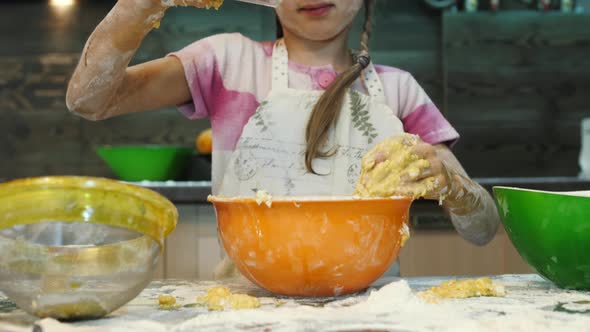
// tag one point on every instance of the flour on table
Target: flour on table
(530, 304)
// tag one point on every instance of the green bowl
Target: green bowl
(146, 162)
(551, 231)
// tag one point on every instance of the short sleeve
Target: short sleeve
(203, 69)
(421, 117)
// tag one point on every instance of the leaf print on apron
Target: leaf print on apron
(270, 152)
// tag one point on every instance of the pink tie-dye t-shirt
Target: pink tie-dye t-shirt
(229, 75)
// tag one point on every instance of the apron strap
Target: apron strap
(280, 66)
(370, 79)
(373, 84)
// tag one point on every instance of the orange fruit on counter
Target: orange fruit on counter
(204, 142)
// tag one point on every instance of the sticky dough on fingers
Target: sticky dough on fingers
(195, 3)
(389, 165)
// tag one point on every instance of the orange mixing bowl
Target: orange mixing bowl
(313, 247)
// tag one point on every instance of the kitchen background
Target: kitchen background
(515, 83)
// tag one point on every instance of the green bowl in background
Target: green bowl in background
(551, 231)
(146, 162)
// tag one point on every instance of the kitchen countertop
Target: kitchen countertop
(531, 304)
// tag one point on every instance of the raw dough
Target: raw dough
(167, 302)
(213, 3)
(221, 298)
(243, 301)
(263, 197)
(462, 289)
(387, 167)
(208, 4)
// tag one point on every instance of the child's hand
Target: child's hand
(404, 166)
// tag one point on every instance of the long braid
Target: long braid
(326, 111)
(368, 26)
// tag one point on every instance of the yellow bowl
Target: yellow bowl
(313, 247)
(79, 247)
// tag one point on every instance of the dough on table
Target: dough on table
(167, 302)
(462, 289)
(221, 298)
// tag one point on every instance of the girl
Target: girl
(293, 117)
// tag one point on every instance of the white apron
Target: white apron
(270, 154)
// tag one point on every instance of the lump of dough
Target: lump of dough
(215, 298)
(462, 289)
(263, 197)
(387, 167)
(221, 298)
(167, 302)
(208, 4)
(213, 3)
(243, 301)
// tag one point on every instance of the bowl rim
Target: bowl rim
(157, 230)
(306, 199)
(580, 193)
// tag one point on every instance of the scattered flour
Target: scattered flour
(528, 306)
